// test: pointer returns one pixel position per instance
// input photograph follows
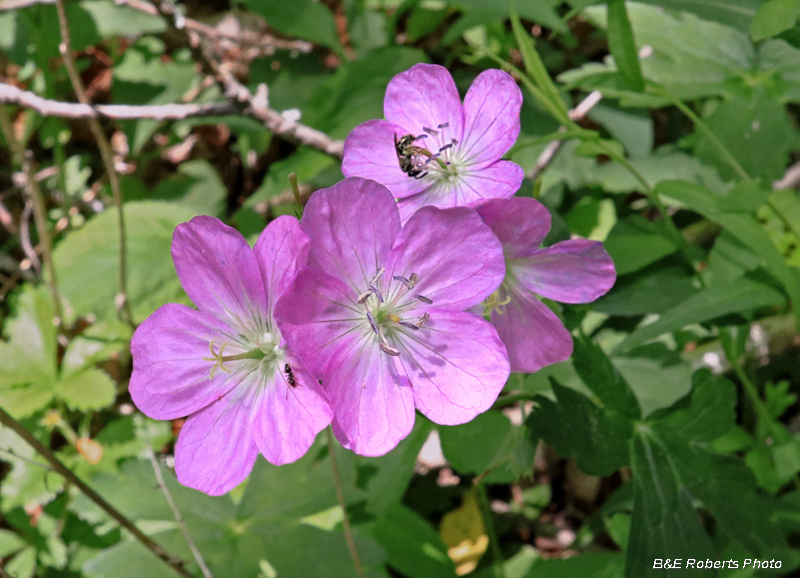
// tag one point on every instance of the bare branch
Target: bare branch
(551, 150)
(252, 105)
(266, 42)
(790, 179)
(178, 517)
(12, 95)
(59, 467)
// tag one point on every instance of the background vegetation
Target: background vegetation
(667, 129)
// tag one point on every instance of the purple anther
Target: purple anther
(388, 349)
(364, 296)
(377, 293)
(443, 125)
(372, 322)
(423, 299)
(409, 325)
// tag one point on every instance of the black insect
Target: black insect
(289, 375)
(408, 155)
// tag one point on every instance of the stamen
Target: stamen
(377, 275)
(430, 131)
(423, 299)
(364, 296)
(377, 293)
(443, 125)
(388, 349)
(372, 322)
(413, 280)
(409, 325)
(423, 320)
(404, 281)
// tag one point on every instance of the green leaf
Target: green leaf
(30, 480)
(635, 242)
(599, 374)
(623, 46)
(478, 445)
(196, 185)
(537, 71)
(299, 19)
(736, 13)
(112, 19)
(746, 295)
(412, 545)
(589, 565)
(28, 358)
(89, 390)
(774, 17)
(578, 428)
(87, 261)
(664, 523)
(787, 204)
(654, 289)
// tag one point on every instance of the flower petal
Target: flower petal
(171, 378)
(457, 366)
(520, 223)
(457, 258)
(281, 250)
(491, 117)
(372, 403)
(574, 271)
(318, 317)
(425, 96)
(352, 226)
(533, 334)
(370, 152)
(289, 417)
(219, 272)
(215, 450)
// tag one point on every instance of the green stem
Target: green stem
(337, 482)
(488, 524)
(296, 193)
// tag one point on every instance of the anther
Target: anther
(443, 125)
(403, 280)
(430, 131)
(388, 349)
(372, 322)
(423, 299)
(377, 275)
(376, 292)
(423, 320)
(364, 296)
(409, 325)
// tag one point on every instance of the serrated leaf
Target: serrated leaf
(576, 427)
(745, 296)
(634, 244)
(623, 46)
(654, 289)
(87, 261)
(599, 374)
(88, 390)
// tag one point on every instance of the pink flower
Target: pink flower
(225, 364)
(379, 313)
(574, 271)
(431, 150)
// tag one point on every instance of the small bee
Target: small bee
(408, 155)
(289, 375)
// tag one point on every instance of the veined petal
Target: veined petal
(288, 417)
(319, 318)
(219, 272)
(456, 364)
(171, 378)
(491, 117)
(372, 403)
(457, 258)
(424, 96)
(215, 450)
(370, 153)
(352, 226)
(533, 334)
(281, 250)
(574, 271)
(520, 223)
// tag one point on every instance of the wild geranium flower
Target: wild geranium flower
(224, 364)
(379, 313)
(431, 149)
(574, 271)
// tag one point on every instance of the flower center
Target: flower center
(265, 349)
(385, 317)
(418, 161)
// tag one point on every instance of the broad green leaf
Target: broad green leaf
(657, 375)
(631, 128)
(299, 19)
(588, 565)
(111, 19)
(635, 242)
(478, 445)
(306, 163)
(578, 428)
(28, 357)
(412, 545)
(664, 523)
(600, 375)
(196, 185)
(787, 204)
(87, 261)
(30, 480)
(623, 46)
(744, 296)
(654, 289)
(774, 17)
(736, 13)
(88, 390)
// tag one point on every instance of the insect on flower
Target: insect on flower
(289, 375)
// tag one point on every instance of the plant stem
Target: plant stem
(59, 467)
(107, 154)
(337, 482)
(488, 524)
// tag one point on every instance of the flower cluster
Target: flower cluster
(372, 305)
